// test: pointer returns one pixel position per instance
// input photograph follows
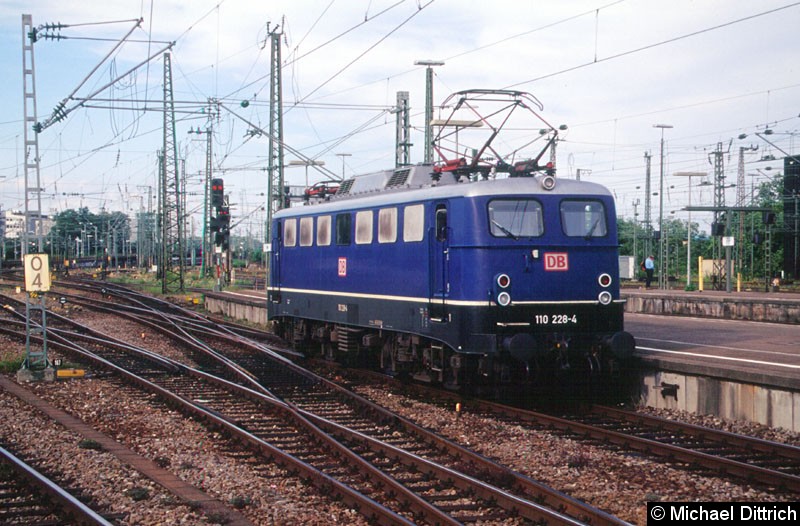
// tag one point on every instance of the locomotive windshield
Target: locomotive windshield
(583, 218)
(515, 218)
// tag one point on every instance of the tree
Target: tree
(81, 233)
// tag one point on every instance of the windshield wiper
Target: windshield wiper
(504, 230)
(589, 234)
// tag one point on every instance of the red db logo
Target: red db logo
(556, 261)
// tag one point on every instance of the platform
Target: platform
(738, 371)
(774, 307)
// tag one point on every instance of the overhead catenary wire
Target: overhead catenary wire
(654, 45)
(319, 47)
(620, 147)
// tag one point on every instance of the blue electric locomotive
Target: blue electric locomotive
(502, 280)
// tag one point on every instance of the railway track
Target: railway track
(208, 398)
(750, 459)
(724, 454)
(28, 497)
(368, 428)
(385, 439)
(771, 457)
(440, 494)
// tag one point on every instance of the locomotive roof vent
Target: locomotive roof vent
(398, 178)
(345, 187)
(417, 176)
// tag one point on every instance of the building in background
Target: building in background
(12, 225)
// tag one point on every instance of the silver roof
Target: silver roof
(414, 184)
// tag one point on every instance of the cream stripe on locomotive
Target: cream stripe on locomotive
(458, 303)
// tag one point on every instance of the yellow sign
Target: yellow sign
(70, 373)
(37, 272)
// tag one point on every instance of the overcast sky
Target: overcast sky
(609, 70)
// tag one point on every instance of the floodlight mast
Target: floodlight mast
(662, 277)
(689, 228)
(428, 159)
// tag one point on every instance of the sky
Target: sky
(609, 70)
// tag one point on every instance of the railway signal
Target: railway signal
(217, 193)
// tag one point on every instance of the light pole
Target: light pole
(428, 159)
(343, 155)
(662, 278)
(689, 228)
(635, 228)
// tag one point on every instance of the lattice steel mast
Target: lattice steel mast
(35, 312)
(275, 197)
(402, 155)
(172, 257)
(33, 186)
(718, 226)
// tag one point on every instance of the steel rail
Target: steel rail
(524, 507)
(411, 501)
(72, 508)
(324, 482)
(717, 464)
(487, 491)
(725, 438)
(522, 484)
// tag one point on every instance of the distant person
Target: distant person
(649, 267)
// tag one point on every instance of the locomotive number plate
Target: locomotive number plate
(556, 319)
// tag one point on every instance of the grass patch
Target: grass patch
(11, 363)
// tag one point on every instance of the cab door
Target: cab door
(439, 285)
(274, 270)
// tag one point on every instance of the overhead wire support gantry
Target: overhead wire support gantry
(61, 110)
(171, 218)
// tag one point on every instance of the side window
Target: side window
(441, 222)
(413, 223)
(387, 225)
(323, 231)
(306, 231)
(290, 232)
(583, 218)
(343, 229)
(364, 227)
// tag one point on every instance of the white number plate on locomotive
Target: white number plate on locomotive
(555, 319)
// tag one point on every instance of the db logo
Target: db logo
(556, 261)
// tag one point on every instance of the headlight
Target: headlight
(604, 297)
(504, 299)
(604, 280)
